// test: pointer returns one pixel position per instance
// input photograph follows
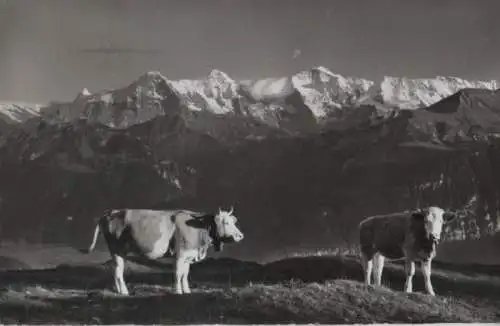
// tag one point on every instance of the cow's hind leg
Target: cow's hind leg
(378, 267)
(409, 271)
(367, 264)
(119, 269)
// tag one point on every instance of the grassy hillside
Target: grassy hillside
(315, 289)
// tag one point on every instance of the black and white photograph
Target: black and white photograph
(249, 162)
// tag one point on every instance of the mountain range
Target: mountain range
(302, 158)
(321, 92)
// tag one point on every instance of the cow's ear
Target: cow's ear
(201, 222)
(418, 215)
(448, 216)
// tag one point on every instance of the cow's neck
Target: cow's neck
(214, 235)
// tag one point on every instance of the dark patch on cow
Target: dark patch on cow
(376, 239)
(207, 222)
(425, 247)
(418, 216)
(171, 248)
(417, 225)
(366, 239)
(227, 239)
(115, 232)
(390, 251)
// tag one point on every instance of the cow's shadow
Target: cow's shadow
(230, 272)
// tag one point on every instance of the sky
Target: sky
(51, 49)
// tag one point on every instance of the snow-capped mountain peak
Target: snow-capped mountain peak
(220, 77)
(221, 81)
(323, 90)
(17, 112)
(85, 92)
(408, 93)
(324, 71)
(149, 79)
(213, 93)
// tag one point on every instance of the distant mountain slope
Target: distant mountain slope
(302, 159)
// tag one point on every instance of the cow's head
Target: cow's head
(433, 219)
(221, 227)
(227, 230)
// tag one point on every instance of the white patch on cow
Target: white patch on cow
(160, 247)
(226, 225)
(195, 255)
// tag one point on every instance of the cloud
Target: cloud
(117, 50)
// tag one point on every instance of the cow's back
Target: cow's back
(385, 234)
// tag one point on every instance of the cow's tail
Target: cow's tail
(94, 239)
(97, 230)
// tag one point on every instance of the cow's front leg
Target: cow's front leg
(426, 271)
(409, 271)
(181, 271)
(185, 279)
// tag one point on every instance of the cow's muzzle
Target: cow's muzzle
(434, 239)
(232, 238)
(237, 237)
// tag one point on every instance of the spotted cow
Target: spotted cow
(154, 234)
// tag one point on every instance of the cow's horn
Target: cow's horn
(231, 210)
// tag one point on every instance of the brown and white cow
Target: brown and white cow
(155, 234)
(412, 236)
